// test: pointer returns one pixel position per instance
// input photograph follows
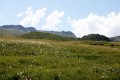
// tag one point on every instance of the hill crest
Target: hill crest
(32, 29)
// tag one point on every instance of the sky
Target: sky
(82, 17)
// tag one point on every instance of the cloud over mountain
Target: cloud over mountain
(53, 20)
(107, 25)
(31, 17)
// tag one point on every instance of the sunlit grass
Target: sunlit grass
(22, 59)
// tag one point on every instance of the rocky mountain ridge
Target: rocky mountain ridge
(32, 29)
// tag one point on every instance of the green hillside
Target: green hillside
(95, 37)
(43, 35)
(28, 59)
(13, 32)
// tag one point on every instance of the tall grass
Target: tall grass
(24, 59)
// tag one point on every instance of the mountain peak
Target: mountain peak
(32, 29)
(18, 27)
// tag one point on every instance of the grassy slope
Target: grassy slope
(58, 60)
(43, 35)
(11, 32)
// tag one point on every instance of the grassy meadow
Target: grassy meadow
(40, 59)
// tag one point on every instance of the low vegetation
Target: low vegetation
(38, 59)
(13, 32)
(95, 37)
(43, 35)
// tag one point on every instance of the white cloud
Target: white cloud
(53, 20)
(20, 14)
(106, 25)
(30, 17)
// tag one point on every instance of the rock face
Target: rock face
(115, 39)
(31, 29)
(18, 27)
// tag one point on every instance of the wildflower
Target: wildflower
(41, 67)
(20, 73)
(17, 73)
(104, 76)
(59, 75)
(10, 67)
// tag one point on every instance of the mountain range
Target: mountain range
(19, 29)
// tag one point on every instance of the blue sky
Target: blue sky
(79, 16)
